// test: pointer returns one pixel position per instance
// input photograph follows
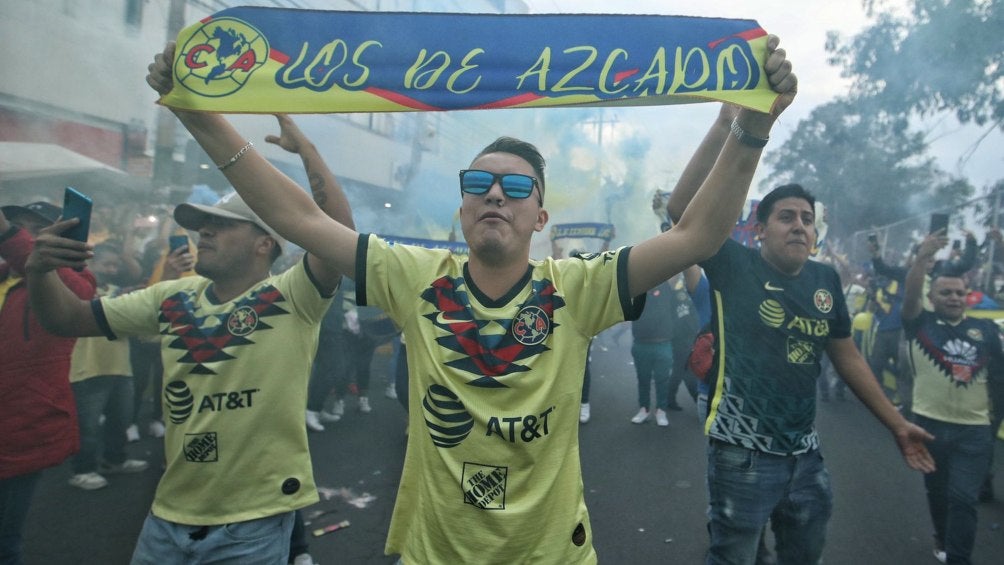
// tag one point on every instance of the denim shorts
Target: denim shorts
(263, 541)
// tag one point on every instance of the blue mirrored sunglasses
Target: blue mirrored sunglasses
(473, 181)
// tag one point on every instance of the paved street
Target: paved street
(645, 487)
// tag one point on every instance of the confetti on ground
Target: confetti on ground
(347, 495)
(331, 528)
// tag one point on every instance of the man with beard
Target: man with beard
(959, 381)
(237, 344)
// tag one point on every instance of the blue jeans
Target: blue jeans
(15, 498)
(298, 538)
(264, 541)
(653, 362)
(962, 455)
(747, 487)
(110, 395)
(681, 372)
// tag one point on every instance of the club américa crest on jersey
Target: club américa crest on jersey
(484, 352)
(219, 58)
(531, 325)
(823, 300)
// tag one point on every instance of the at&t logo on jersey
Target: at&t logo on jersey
(446, 418)
(220, 57)
(181, 402)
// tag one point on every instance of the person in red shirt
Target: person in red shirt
(38, 417)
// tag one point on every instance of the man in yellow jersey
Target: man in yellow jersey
(497, 342)
(959, 368)
(237, 344)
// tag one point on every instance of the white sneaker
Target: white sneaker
(127, 466)
(156, 428)
(640, 417)
(390, 392)
(339, 408)
(940, 555)
(88, 481)
(314, 421)
(304, 559)
(132, 433)
(364, 405)
(660, 417)
(328, 417)
(584, 413)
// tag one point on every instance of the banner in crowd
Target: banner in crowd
(745, 229)
(455, 247)
(599, 231)
(266, 60)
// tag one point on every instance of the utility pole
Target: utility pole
(989, 285)
(163, 152)
(600, 122)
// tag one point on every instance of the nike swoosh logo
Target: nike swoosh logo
(768, 286)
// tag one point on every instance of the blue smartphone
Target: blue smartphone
(77, 205)
(176, 241)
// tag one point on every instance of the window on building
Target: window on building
(378, 123)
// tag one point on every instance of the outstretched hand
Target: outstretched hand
(290, 137)
(159, 71)
(52, 251)
(911, 440)
(779, 75)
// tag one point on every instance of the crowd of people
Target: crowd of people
(246, 345)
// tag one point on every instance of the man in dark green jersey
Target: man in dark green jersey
(775, 313)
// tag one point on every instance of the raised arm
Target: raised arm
(692, 277)
(58, 308)
(327, 191)
(967, 261)
(701, 162)
(707, 217)
(279, 201)
(913, 286)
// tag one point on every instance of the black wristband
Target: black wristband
(745, 138)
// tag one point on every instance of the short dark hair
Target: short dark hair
(947, 269)
(522, 149)
(792, 190)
